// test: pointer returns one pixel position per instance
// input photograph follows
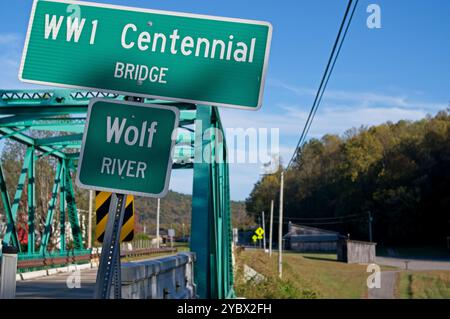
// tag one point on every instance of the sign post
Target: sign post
(127, 149)
(109, 269)
(167, 55)
(171, 233)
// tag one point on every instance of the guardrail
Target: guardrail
(91, 256)
(52, 261)
(146, 251)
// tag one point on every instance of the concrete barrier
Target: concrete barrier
(163, 278)
(8, 270)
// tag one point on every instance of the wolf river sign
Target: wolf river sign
(127, 147)
(167, 55)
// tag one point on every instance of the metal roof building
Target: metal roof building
(310, 239)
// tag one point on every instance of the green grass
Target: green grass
(424, 285)
(304, 276)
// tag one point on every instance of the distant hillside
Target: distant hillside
(176, 210)
(175, 207)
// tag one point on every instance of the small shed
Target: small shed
(356, 252)
(311, 239)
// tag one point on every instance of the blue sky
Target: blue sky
(401, 71)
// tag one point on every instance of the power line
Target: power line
(331, 70)
(326, 218)
(331, 61)
(326, 223)
(312, 219)
(326, 76)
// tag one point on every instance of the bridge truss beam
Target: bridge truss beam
(25, 112)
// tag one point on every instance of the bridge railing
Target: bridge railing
(163, 278)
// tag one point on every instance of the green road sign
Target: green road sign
(128, 148)
(168, 55)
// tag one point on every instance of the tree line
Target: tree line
(399, 172)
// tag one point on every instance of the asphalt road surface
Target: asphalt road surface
(414, 264)
(389, 278)
(387, 287)
(56, 286)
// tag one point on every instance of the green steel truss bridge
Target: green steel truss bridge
(64, 111)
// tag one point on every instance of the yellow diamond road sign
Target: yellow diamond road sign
(259, 232)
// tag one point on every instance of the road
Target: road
(387, 287)
(389, 278)
(55, 286)
(414, 264)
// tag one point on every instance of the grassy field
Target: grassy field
(304, 276)
(424, 285)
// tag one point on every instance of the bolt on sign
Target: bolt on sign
(158, 54)
(127, 147)
(102, 202)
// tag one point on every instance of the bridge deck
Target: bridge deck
(55, 286)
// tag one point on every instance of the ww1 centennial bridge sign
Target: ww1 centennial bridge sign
(158, 54)
(127, 147)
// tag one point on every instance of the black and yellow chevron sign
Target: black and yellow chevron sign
(102, 201)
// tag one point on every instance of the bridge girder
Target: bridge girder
(24, 111)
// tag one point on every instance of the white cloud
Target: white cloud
(291, 119)
(11, 39)
(329, 119)
(337, 119)
(360, 99)
(181, 181)
(10, 54)
(339, 111)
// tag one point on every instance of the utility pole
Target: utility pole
(280, 229)
(370, 226)
(271, 228)
(260, 225)
(157, 223)
(264, 228)
(91, 198)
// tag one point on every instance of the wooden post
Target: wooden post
(280, 229)
(271, 227)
